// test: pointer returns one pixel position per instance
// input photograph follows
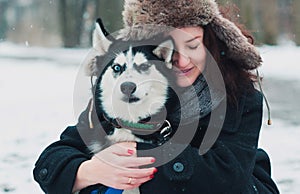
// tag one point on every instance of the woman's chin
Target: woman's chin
(184, 82)
(187, 78)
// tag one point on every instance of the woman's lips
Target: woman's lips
(183, 72)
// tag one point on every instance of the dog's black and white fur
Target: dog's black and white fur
(131, 85)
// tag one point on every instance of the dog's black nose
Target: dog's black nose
(128, 88)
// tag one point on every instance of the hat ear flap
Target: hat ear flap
(165, 51)
(101, 43)
(237, 43)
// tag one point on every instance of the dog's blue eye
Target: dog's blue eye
(117, 68)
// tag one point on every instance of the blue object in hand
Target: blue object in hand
(95, 191)
(113, 191)
(108, 191)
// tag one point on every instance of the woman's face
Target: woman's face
(190, 55)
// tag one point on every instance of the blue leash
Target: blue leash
(109, 191)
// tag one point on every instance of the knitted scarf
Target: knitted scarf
(196, 101)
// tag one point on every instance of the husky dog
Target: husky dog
(132, 87)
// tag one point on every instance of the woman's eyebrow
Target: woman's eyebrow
(193, 39)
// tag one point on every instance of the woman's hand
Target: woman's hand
(116, 166)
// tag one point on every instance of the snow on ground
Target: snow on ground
(36, 102)
(281, 140)
(281, 62)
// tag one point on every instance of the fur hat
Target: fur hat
(147, 18)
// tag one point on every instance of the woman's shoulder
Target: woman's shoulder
(252, 96)
(248, 108)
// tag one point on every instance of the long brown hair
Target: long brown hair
(236, 78)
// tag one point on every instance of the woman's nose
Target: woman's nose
(181, 60)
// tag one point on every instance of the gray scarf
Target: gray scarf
(196, 101)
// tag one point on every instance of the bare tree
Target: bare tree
(76, 17)
(71, 21)
(34, 22)
(296, 22)
(269, 20)
(3, 21)
(110, 11)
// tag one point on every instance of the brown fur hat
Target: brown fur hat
(147, 18)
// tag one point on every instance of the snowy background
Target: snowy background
(36, 103)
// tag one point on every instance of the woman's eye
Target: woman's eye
(193, 47)
(117, 68)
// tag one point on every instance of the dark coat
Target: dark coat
(233, 165)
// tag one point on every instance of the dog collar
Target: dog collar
(143, 126)
(139, 126)
(160, 131)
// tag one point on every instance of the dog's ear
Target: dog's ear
(101, 42)
(165, 51)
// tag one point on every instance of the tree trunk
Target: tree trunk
(260, 18)
(270, 20)
(3, 22)
(71, 21)
(110, 12)
(296, 22)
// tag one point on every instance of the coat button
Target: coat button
(43, 173)
(178, 167)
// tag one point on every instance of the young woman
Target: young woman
(231, 163)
